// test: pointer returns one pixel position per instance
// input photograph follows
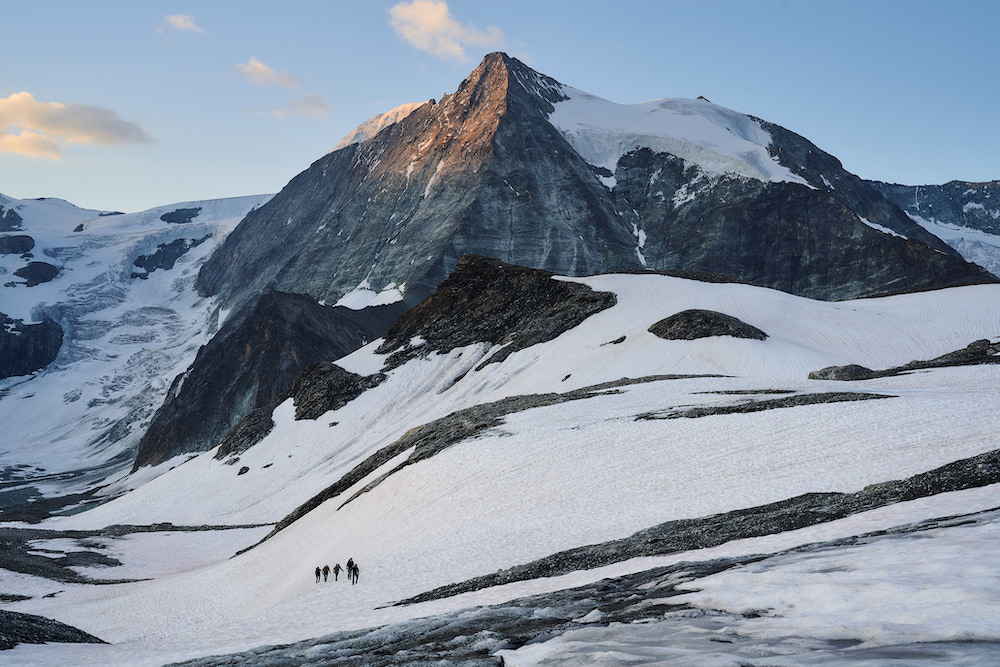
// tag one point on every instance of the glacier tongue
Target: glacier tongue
(716, 139)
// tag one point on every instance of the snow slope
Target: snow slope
(125, 337)
(716, 139)
(376, 124)
(551, 478)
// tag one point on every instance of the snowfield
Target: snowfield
(581, 472)
(716, 139)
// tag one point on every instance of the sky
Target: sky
(124, 105)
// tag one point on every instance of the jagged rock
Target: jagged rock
(26, 348)
(489, 301)
(17, 628)
(36, 273)
(323, 387)
(253, 428)
(10, 221)
(16, 245)
(695, 323)
(251, 362)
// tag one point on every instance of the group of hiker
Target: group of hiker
(323, 573)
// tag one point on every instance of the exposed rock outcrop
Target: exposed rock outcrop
(16, 244)
(17, 628)
(10, 221)
(26, 348)
(695, 323)
(36, 273)
(976, 352)
(165, 256)
(489, 301)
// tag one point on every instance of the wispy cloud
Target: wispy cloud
(305, 106)
(38, 129)
(179, 23)
(259, 73)
(429, 26)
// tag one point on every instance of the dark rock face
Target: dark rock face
(961, 203)
(976, 352)
(16, 245)
(484, 172)
(785, 236)
(488, 301)
(695, 323)
(36, 273)
(16, 628)
(165, 256)
(10, 221)
(181, 216)
(249, 364)
(26, 348)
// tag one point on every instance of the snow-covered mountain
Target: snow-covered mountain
(118, 289)
(517, 166)
(636, 463)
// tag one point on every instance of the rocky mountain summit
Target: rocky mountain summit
(517, 166)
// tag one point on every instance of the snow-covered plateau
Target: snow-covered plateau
(588, 438)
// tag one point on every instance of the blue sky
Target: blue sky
(127, 105)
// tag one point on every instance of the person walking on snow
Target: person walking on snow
(336, 571)
(319, 573)
(326, 572)
(356, 572)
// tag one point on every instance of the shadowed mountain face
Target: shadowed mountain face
(249, 364)
(483, 171)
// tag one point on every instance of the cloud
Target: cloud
(429, 26)
(262, 75)
(37, 129)
(178, 22)
(29, 143)
(305, 106)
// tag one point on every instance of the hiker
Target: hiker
(354, 577)
(319, 573)
(336, 571)
(350, 565)
(326, 572)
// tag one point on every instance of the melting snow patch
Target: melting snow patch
(884, 230)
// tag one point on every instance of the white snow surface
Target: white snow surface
(125, 338)
(715, 139)
(557, 477)
(377, 123)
